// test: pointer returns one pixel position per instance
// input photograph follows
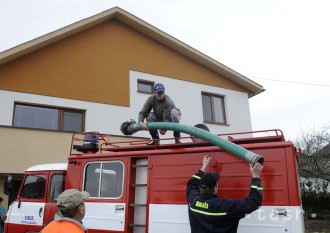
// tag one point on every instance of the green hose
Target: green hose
(228, 146)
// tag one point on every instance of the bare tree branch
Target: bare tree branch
(315, 161)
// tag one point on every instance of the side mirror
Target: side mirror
(8, 184)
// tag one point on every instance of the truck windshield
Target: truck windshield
(34, 187)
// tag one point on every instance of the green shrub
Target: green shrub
(315, 197)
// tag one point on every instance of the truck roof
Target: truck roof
(49, 167)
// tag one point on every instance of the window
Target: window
(104, 180)
(213, 108)
(145, 86)
(57, 186)
(34, 187)
(52, 118)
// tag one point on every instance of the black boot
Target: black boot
(155, 136)
(177, 137)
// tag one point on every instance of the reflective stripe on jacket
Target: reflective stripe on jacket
(208, 213)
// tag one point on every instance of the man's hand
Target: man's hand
(256, 170)
(162, 131)
(206, 162)
(144, 125)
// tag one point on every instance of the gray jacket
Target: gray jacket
(161, 108)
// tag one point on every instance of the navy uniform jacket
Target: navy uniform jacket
(208, 213)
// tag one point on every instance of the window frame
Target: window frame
(61, 111)
(99, 188)
(146, 82)
(222, 98)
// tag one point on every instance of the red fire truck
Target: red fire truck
(137, 188)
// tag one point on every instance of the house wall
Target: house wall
(108, 118)
(24, 148)
(94, 65)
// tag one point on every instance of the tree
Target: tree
(315, 159)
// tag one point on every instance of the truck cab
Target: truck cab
(35, 204)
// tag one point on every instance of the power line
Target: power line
(294, 82)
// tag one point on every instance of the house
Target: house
(95, 74)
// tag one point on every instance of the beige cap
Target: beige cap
(71, 198)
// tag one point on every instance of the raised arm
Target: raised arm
(193, 184)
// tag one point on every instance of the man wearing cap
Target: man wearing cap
(208, 213)
(163, 110)
(71, 211)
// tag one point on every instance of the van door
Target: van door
(27, 212)
(105, 182)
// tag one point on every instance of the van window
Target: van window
(57, 186)
(104, 180)
(34, 187)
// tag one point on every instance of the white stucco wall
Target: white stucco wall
(108, 118)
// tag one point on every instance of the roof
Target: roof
(141, 26)
(49, 167)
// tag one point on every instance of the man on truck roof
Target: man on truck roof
(163, 110)
(71, 211)
(208, 213)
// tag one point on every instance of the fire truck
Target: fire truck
(140, 188)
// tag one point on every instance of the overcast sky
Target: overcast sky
(264, 40)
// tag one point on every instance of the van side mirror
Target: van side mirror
(8, 184)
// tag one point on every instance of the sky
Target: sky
(264, 40)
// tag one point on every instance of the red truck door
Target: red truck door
(36, 202)
(55, 187)
(27, 212)
(105, 180)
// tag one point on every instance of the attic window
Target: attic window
(144, 86)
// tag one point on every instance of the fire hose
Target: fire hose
(131, 127)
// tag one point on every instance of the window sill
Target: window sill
(145, 92)
(48, 130)
(215, 123)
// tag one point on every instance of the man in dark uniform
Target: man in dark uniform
(163, 110)
(208, 213)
